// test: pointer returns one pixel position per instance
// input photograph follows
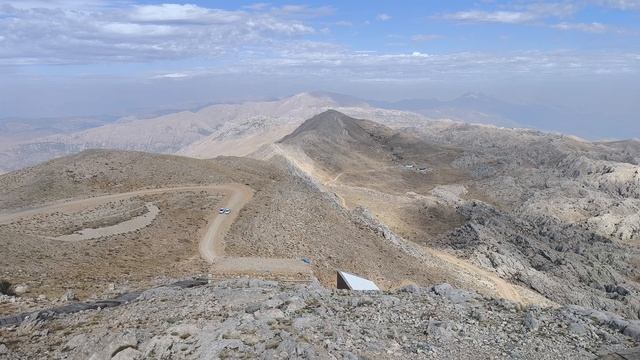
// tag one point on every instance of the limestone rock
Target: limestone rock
(530, 322)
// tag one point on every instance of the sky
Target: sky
(95, 57)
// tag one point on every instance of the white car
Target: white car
(227, 211)
(221, 211)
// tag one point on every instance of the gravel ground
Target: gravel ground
(250, 318)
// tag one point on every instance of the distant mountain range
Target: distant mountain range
(241, 128)
(480, 108)
(221, 129)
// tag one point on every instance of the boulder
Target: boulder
(21, 289)
(269, 314)
(69, 295)
(303, 322)
(411, 289)
(577, 328)
(128, 354)
(454, 295)
(440, 330)
(159, 347)
(530, 322)
(120, 343)
(74, 342)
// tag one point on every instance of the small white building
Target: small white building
(352, 282)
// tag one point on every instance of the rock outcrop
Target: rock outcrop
(261, 319)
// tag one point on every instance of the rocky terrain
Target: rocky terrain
(288, 217)
(540, 230)
(562, 216)
(551, 213)
(249, 318)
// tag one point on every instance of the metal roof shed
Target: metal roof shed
(353, 282)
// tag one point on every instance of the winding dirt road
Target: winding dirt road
(211, 242)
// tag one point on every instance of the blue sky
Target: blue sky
(97, 57)
(130, 36)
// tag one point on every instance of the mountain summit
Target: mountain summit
(335, 126)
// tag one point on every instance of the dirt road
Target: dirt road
(133, 224)
(211, 242)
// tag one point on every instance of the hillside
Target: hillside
(543, 211)
(540, 231)
(37, 257)
(221, 129)
(287, 218)
(371, 165)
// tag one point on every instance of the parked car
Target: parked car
(221, 211)
(227, 211)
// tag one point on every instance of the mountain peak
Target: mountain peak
(330, 114)
(329, 123)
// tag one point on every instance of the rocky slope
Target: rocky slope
(562, 213)
(551, 213)
(288, 217)
(250, 318)
(548, 221)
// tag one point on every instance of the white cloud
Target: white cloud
(268, 40)
(180, 75)
(38, 32)
(620, 4)
(545, 14)
(326, 60)
(383, 17)
(256, 6)
(305, 10)
(178, 13)
(515, 14)
(137, 29)
(508, 17)
(594, 27)
(550, 9)
(55, 4)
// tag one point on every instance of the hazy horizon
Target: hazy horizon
(70, 58)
